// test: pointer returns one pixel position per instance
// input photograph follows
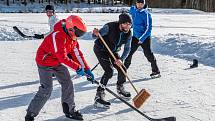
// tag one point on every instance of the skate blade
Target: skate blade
(72, 119)
(156, 76)
(125, 98)
(101, 106)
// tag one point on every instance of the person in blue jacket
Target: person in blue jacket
(142, 27)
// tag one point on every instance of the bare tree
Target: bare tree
(205, 5)
(210, 5)
(8, 2)
(129, 2)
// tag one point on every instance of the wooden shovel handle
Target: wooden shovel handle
(115, 60)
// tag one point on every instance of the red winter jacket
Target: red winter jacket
(55, 47)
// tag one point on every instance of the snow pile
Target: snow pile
(177, 45)
(101, 10)
(186, 47)
(177, 11)
(8, 34)
(62, 8)
(20, 8)
(85, 8)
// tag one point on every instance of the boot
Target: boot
(100, 99)
(155, 74)
(75, 115)
(29, 117)
(195, 63)
(122, 92)
(155, 71)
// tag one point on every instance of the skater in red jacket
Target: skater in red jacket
(52, 58)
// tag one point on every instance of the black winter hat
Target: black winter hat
(140, 1)
(124, 18)
(49, 7)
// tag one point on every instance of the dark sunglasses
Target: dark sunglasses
(78, 32)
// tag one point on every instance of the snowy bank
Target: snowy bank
(85, 8)
(62, 8)
(177, 45)
(186, 47)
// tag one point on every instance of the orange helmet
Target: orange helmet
(75, 26)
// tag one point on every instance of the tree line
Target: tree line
(103, 2)
(205, 5)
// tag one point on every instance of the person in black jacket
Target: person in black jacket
(115, 35)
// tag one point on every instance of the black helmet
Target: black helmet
(49, 7)
(124, 18)
(140, 1)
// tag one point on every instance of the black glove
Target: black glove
(39, 36)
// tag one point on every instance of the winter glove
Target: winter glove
(80, 71)
(90, 76)
(140, 42)
(118, 62)
(38, 36)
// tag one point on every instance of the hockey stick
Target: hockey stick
(172, 118)
(95, 67)
(77, 76)
(15, 28)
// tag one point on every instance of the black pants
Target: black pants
(107, 63)
(146, 46)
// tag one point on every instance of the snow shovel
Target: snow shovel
(141, 97)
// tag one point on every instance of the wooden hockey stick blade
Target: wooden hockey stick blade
(140, 98)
